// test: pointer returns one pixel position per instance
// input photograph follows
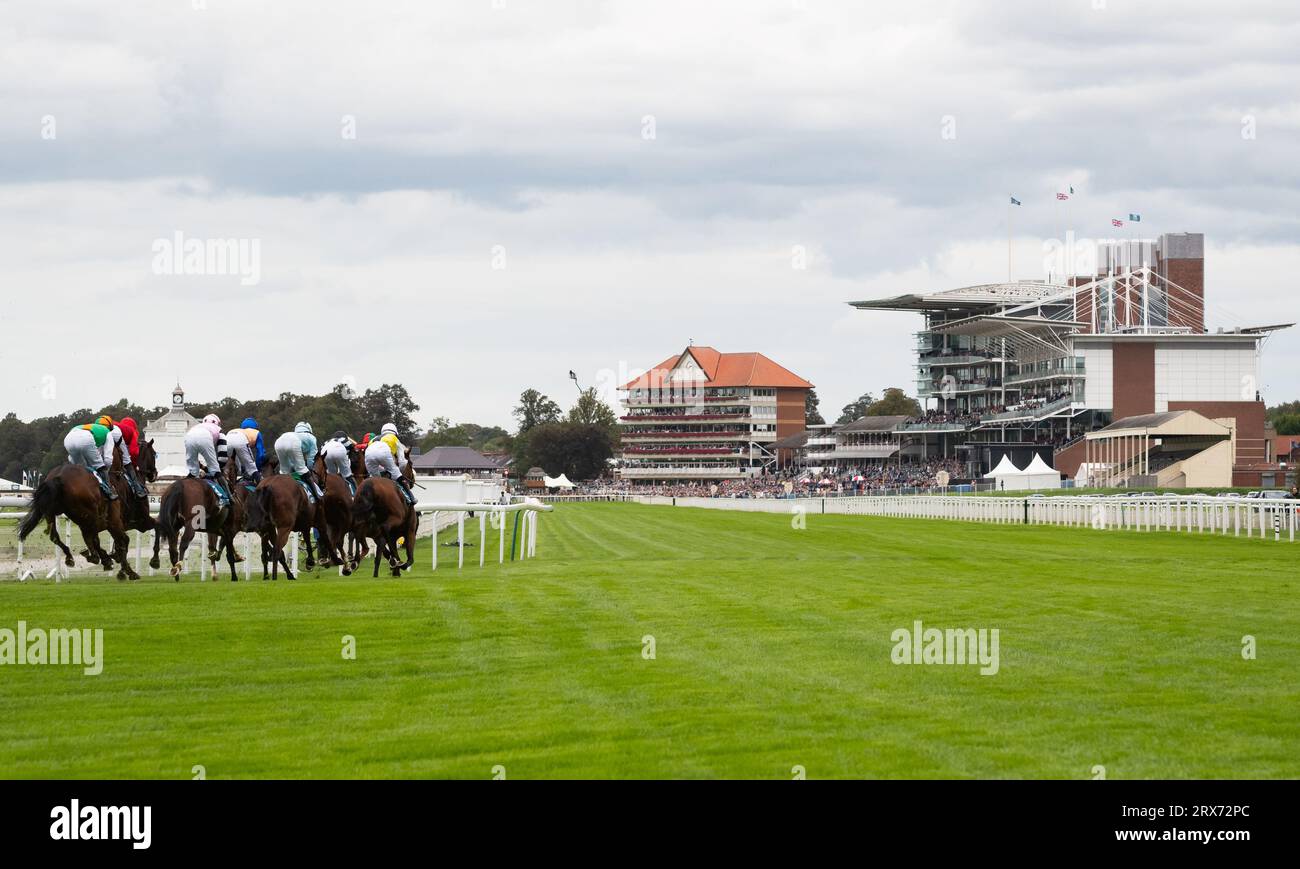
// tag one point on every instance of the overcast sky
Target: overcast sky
(475, 197)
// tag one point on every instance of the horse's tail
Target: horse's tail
(363, 505)
(47, 495)
(167, 511)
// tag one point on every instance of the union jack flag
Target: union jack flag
(1115, 221)
(1062, 196)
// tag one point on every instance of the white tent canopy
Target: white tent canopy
(1005, 468)
(1040, 476)
(560, 482)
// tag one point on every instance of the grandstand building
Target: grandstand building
(1029, 367)
(704, 415)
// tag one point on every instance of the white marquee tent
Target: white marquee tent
(1039, 476)
(560, 482)
(1006, 475)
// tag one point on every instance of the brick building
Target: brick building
(706, 415)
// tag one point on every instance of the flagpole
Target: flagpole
(1008, 240)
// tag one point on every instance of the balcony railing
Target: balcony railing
(1052, 373)
(1039, 412)
(682, 417)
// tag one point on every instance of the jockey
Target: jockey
(239, 449)
(259, 450)
(123, 442)
(87, 446)
(383, 456)
(337, 452)
(201, 444)
(295, 449)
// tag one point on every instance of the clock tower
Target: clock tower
(178, 398)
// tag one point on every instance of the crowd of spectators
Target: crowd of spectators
(862, 480)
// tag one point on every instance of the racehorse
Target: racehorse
(135, 510)
(277, 508)
(189, 506)
(333, 518)
(73, 491)
(381, 510)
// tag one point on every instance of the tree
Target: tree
(857, 409)
(811, 414)
(535, 409)
(391, 403)
(579, 450)
(590, 410)
(1285, 417)
(894, 402)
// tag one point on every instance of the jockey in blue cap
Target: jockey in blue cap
(259, 450)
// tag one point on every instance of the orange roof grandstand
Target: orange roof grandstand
(723, 369)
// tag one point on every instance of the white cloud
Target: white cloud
(522, 127)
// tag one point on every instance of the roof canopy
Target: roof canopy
(709, 368)
(1172, 423)
(453, 459)
(560, 482)
(965, 298)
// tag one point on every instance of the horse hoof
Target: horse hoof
(153, 562)
(69, 561)
(176, 571)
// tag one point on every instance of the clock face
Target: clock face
(178, 400)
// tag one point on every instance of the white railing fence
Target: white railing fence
(1239, 517)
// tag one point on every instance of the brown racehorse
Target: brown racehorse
(73, 491)
(188, 507)
(135, 511)
(278, 508)
(333, 518)
(383, 513)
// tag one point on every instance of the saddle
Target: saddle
(222, 498)
(311, 497)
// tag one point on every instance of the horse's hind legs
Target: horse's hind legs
(52, 525)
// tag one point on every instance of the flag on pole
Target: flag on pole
(1135, 218)
(1062, 196)
(1115, 221)
(1015, 201)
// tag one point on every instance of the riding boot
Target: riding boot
(102, 474)
(257, 477)
(352, 484)
(137, 488)
(310, 477)
(406, 490)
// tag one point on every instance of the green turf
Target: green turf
(772, 650)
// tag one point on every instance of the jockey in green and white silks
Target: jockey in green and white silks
(201, 449)
(91, 447)
(296, 451)
(386, 457)
(122, 444)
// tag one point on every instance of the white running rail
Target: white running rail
(1264, 519)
